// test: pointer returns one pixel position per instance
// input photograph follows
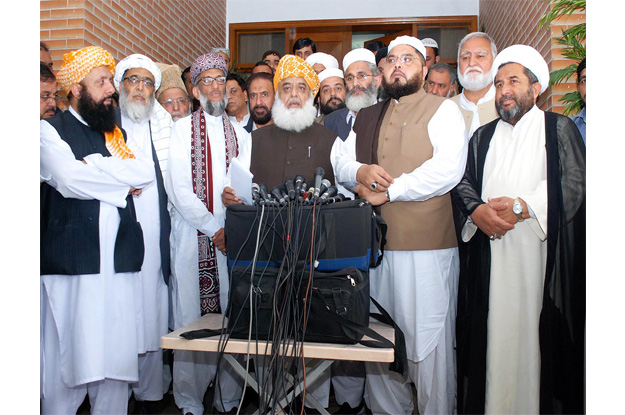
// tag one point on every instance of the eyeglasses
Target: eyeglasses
(170, 102)
(134, 80)
(207, 80)
(360, 76)
(405, 59)
(48, 97)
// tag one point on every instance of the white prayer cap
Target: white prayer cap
(408, 40)
(323, 75)
(326, 60)
(137, 61)
(356, 55)
(528, 57)
(428, 42)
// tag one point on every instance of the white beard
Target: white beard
(475, 81)
(135, 111)
(293, 119)
(213, 108)
(358, 102)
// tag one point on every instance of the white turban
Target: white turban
(328, 73)
(137, 61)
(525, 56)
(408, 40)
(356, 55)
(428, 42)
(326, 60)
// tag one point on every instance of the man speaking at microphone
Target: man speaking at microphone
(294, 144)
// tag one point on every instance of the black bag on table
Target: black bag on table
(349, 233)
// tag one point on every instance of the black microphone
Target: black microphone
(328, 193)
(255, 194)
(278, 193)
(300, 182)
(325, 184)
(290, 188)
(319, 173)
(338, 198)
(266, 200)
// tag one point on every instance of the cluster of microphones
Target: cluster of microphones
(296, 190)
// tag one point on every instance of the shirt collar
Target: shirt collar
(465, 103)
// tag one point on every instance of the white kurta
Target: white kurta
(94, 314)
(188, 214)
(516, 166)
(470, 106)
(422, 320)
(152, 311)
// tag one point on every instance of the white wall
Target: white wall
(245, 11)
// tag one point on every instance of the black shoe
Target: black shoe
(345, 409)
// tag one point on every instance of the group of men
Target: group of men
(483, 195)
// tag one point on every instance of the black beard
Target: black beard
(396, 90)
(260, 120)
(523, 105)
(97, 115)
(326, 109)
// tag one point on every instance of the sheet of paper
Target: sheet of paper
(241, 181)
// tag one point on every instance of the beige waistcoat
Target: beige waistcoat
(403, 145)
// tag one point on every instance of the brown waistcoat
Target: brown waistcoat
(398, 133)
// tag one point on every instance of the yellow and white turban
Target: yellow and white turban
(77, 64)
(291, 65)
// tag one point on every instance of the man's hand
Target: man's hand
(371, 196)
(486, 218)
(373, 174)
(219, 240)
(229, 197)
(134, 192)
(503, 206)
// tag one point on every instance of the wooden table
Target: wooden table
(319, 355)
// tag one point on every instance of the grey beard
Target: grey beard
(293, 119)
(475, 82)
(214, 108)
(134, 111)
(358, 102)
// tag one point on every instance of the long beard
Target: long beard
(214, 108)
(475, 81)
(358, 102)
(522, 105)
(99, 116)
(133, 110)
(294, 119)
(396, 90)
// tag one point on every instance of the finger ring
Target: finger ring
(492, 237)
(374, 185)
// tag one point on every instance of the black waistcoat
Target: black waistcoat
(70, 228)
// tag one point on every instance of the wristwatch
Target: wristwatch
(517, 209)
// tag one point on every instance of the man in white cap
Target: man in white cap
(521, 307)
(321, 61)
(148, 125)
(91, 244)
(331, 92)
(405, 154)
(362, 80)
(431, 51)
(195, 181)
(172, 94)
(476, 53)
